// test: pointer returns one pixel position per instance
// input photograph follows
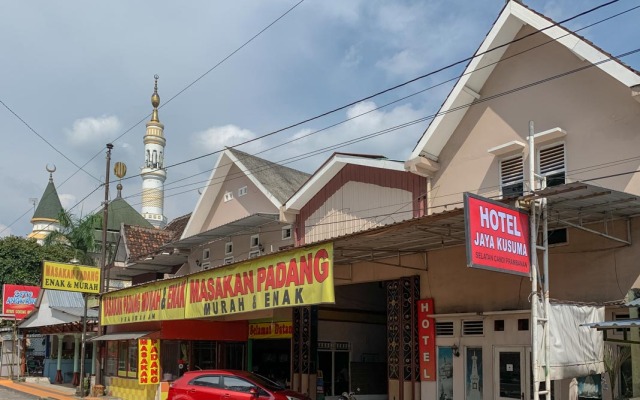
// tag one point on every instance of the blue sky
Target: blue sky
(80, 74)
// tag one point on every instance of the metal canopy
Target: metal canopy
(569, 205)
(121, 336)
(243, 225)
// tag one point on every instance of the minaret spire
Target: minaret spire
(153, 171)
(155, 100)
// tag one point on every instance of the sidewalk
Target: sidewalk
(48, 392)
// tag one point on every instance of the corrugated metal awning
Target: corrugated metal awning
(124, 336)
(621, 324)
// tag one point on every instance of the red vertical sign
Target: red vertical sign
(427, 340)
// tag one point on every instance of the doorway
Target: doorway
(333, 365)
(511, 373)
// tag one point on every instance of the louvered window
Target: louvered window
(473, 328)
(444, 328)
(511, 177)
(552, 164)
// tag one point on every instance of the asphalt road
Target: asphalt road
(8, 394)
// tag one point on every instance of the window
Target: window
(511, 177)
(206, 265)
(557, 236)
(112, 358)
(242, 191)
(523, 324)
(205, 254)
(127, 358)
(228, 248)
(254, 254)
(255, 241)
(237, 384)
(552, 165)
(286, 232)
(212, 381)
(498, 325)
(228, 260)
(228, 196)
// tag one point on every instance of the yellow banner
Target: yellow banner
(70, 277)
(296, 278)
(148, 361)
(271, 330)
(158, 301)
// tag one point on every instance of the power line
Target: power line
(81, 168)
(45, 140)
(324, 114)
(419, 120)
(402, 98)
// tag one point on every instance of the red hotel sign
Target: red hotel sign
(497, 236)
(427, 340)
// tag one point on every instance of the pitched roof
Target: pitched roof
(120, 212)
(330, 168)
(277, 179)
(177, 226)
(141, 241)
(513, 17)
(49, 206)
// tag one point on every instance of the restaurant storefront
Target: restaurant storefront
(189, 318)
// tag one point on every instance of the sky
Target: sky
(77, 75)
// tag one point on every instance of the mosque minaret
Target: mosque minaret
(153, 172)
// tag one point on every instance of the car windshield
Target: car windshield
(265, 383)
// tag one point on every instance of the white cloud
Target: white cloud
(217, 137)
(91, 130)
(68, 201)
(395, 144)
(4, 231)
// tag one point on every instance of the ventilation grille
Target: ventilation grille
(444, 328)
(552, 160)
(472, 328)
(511, 176)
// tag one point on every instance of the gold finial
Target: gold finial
(120, 169)
(119, 187)
(155, 100)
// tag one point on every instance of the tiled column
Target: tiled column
(59, 365)
(76, 358)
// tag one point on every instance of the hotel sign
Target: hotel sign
(427, 340)
(70, 277)
(497, 236)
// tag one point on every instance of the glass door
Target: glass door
(510, 373)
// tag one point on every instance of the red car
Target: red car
(218, 384)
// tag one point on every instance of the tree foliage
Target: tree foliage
(77, 234)
(21, 259)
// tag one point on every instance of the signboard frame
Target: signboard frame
(71, 277)
(522, 217)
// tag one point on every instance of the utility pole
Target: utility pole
(103, 259)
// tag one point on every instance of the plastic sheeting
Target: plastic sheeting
(575, 350)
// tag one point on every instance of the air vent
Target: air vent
(512, 177)
(444, 328)
(472, 328)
